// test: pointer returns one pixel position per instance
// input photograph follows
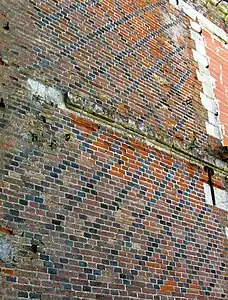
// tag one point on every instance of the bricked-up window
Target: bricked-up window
(217, 54)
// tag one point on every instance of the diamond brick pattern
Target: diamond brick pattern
(103, 197)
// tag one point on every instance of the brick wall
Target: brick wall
(104, 148)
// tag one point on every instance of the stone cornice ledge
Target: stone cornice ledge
(203, 21)
(200, 160)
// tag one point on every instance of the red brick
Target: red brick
(111, 205)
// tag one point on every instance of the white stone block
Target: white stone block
(200, 47)
(208, 89)
(173, 2)
(221, 197)
(46, 94)
(204, 22)
(201, 59)
(207, 192)
(196, 26)
(191, 12)
(209, 103)
(195, 35)
(204, 71)
(204, 75)
(213, 130)
(212, 118)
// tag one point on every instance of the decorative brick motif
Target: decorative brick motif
(104, 147)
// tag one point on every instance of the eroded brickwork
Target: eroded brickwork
(214, 10)
(103, 152)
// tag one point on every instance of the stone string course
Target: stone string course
(104, 145)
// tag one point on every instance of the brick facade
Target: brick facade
(105, 153)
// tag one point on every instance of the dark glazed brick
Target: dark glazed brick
(52, 271)
(34, 295)
(23, 294)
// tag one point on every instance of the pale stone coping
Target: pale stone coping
(221, 197)
(203, 21)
